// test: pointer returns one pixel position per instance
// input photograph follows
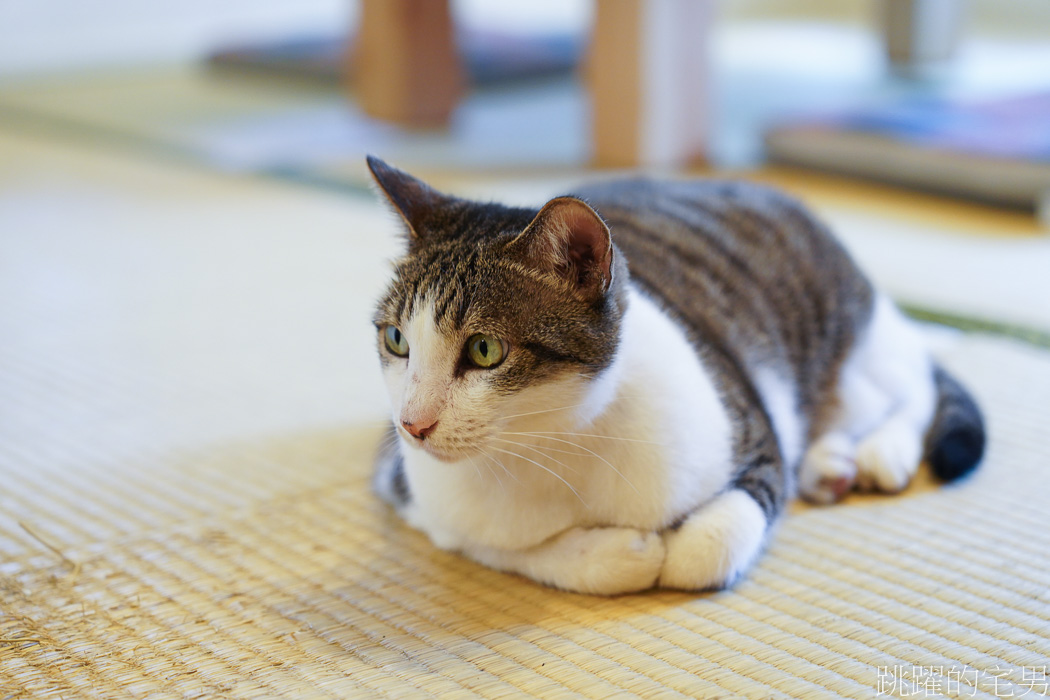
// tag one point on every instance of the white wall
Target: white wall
(38, 36)
(42, 36)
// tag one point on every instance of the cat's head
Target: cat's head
(496, 318)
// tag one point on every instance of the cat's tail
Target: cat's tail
(955, 440)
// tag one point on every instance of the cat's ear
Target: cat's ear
(569, 239)
(414, 200)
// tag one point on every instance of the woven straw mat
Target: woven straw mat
(185, 512)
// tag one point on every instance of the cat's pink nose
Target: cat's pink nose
(420, 429)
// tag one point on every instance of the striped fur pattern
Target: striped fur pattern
(678, 359)
(757, 284)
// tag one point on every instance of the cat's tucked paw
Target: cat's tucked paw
(388, 479)
(715, 545)
(828, 470)
(601, 560)
(889, 457)
(610, 560)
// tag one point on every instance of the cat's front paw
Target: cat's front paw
(613, 560)
(889, 457)
(828, 470)
(715, 545)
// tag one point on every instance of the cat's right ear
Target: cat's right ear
(569, 240)
(414, 200)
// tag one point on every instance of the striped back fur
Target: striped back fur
(753, 277)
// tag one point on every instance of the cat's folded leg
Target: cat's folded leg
(888, 458)
(720, 540)
(602, 560)
(716, 543)
(888, 395)
(829, 468)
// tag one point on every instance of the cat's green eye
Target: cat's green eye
(395, 341)
(486, 351)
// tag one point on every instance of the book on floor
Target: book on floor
(996, 151)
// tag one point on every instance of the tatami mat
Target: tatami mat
(278, 574)
(189, 405)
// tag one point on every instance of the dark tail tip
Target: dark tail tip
(956, 439)
(956, 454)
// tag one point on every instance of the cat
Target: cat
(623, 388)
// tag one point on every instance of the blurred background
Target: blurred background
(310, 86)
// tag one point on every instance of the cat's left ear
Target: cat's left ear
(569, 239)
(413, 199)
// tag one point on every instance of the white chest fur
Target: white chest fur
(639, 446)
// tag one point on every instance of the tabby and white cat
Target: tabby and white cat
(607, 431)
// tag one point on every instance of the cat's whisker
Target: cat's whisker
(491, 471)
(589, 435)
(500, 465)
(386, 443)
(588, 451)
(548, 470)
(475, 465)
(539, 450)
(579, 452)
(546, 410)
(564, 408)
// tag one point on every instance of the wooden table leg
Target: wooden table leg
(648, 78)
(405, 65)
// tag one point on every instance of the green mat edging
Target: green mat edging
(975, 324)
